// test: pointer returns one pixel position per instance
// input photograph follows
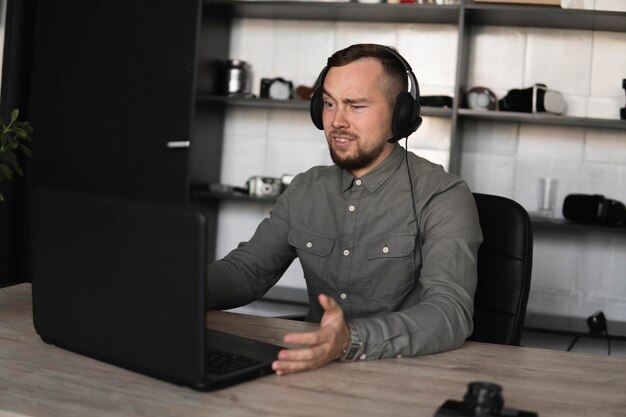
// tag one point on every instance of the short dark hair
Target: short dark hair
(396, 75)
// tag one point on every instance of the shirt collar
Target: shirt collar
(377, 176)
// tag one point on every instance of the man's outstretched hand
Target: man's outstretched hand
(320, 347)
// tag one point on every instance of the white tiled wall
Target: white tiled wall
(574, 274)
(277, 142)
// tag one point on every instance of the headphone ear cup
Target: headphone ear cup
(405, 119)
(316, 108)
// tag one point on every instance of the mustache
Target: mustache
(342, 133)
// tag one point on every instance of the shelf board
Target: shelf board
(544, 17)
(209, 195)
(477, 14)
(295, 104)
(570, 325)
(563, 224)
(542, 119)
(341, 11)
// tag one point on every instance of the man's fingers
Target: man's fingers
(327, 303)
(288, 367)
(306, 354)
(304, 338)
(296, 360)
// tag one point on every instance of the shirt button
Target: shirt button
(309, 244)
(346, 252)
(351, 208)
(363, 356)
(343, 295)
(357, 182)
(385, 249)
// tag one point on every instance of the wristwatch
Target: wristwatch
(355, 347)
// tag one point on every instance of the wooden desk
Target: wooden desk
(41, 380)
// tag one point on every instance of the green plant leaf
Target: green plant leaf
(11, 138)
(9, 156)
(16, 167)
(20, 133)
(6, 172)
(25, 150)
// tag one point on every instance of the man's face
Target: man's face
(357, 116)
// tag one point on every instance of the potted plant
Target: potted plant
(14, 136)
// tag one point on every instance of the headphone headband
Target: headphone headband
(406, 114)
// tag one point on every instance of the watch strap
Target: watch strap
(355, 346)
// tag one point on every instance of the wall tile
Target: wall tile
(608, 64)
(489, 174)
(294, 124)
(245, 121)
(431, 51)
(496, 58)
(546, 301)
(491, 138)
(596, 259)
(237, 222)
(547, 273)
(549, 60)
(606, 179)
(300, 50)
(611, 5)
(435, 156)
(280, 156)
(551, 142)
(604, 107)
(349, 33)
(242, 157)
(605, 145)
(433, 134)
(615, 311)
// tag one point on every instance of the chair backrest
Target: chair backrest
(504, 270)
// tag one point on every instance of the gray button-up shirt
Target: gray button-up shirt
(406, 288)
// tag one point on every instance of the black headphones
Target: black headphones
(406, 112)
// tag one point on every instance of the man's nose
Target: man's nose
(339, 118)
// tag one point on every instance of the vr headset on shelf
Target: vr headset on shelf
(594, 209)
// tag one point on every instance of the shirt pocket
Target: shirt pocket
(389, 272)
(313, 250)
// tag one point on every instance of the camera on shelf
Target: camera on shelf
(482, 399)
(276, 88)
(264, 186)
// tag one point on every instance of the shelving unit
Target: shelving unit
(465, 16)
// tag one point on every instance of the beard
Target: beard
(360, 159)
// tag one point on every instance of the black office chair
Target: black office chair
(504, 270)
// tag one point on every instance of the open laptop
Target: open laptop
(124, 282)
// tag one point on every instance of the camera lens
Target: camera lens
(483, 399)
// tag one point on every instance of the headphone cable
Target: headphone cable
(418, 240)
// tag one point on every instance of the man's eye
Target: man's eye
(328, 105)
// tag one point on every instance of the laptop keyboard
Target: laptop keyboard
(219, 362)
